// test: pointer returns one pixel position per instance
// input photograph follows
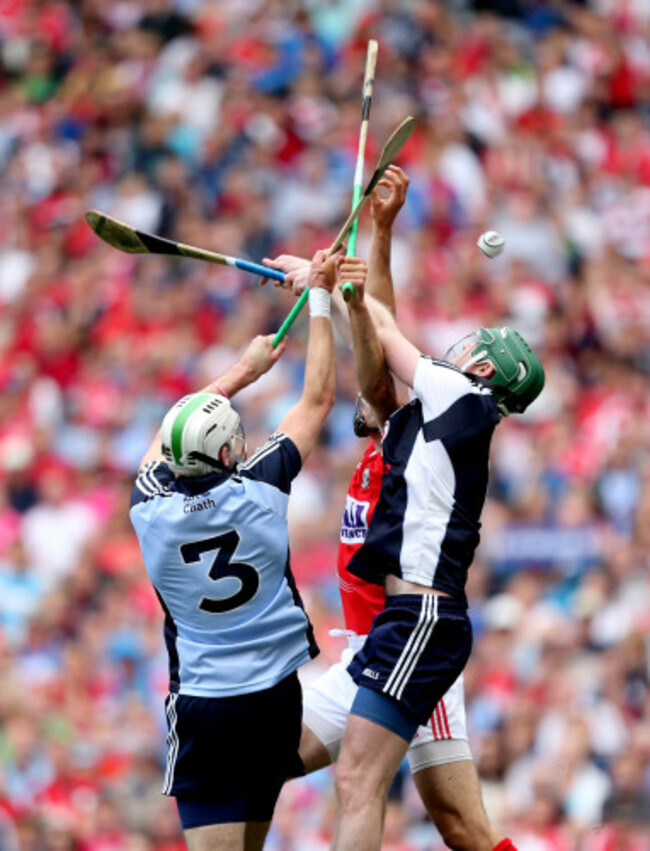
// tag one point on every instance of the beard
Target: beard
(361, 427)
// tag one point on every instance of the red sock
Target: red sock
(504, 845)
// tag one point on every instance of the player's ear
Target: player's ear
(485, 369)
(225, 457)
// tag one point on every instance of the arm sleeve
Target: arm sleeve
(153, 480)
(277, 462)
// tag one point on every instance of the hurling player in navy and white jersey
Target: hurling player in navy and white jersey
(421, 542)
(439, 755)
(213, 531)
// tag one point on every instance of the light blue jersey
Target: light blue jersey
(216, 549)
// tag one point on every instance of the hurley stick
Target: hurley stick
(391, 149)
(133, 241)
(366, 102)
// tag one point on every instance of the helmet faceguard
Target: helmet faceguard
(465, 352)
(518, 374)
(194, 431)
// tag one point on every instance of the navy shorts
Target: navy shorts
(415, 650)
(227, 758)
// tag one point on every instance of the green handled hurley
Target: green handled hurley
(391, 149)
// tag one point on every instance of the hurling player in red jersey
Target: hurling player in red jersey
(361, 600)
(439, 756)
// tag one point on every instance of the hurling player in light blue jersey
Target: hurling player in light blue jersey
(212, 527)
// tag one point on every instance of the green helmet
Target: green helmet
(517, 368)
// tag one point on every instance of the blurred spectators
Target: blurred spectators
(234, 126)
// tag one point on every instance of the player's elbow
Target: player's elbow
(317, 406)
(321, 403)
(382, 316)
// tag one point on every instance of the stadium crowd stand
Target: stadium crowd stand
(233, 125)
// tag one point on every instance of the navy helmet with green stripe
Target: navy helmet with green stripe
(195, 429)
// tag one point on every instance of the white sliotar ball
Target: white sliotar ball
(491, 243)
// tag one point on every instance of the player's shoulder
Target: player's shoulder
(453, 399)
(371, 452)
(450, 378)
(153, 481)
(276, 462)
(278, 443)
(370, 463)
(444, 370)
(436, 362)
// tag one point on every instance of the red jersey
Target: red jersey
(361, 600)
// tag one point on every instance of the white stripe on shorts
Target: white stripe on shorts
(414, 647)
(172, 744)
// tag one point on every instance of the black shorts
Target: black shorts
(414, 652)
(227, 758)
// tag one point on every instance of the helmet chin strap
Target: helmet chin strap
(207, 459)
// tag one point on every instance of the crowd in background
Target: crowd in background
(234, 126)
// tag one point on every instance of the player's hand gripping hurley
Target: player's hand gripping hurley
(127, 238)
(391, 149)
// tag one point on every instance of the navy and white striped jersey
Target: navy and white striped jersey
(425, 528)
(216, 549)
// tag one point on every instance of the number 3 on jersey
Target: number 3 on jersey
(221, 568)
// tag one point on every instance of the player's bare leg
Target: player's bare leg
(451, 794)
(370, 757)
(216, 837)
(234, 836)
(255, 835)
(312, 751)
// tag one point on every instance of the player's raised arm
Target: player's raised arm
(304, 421)
(382, 349)
(376, 339)
(386, 200)
(258, 359)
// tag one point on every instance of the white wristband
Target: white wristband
(319, 302)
